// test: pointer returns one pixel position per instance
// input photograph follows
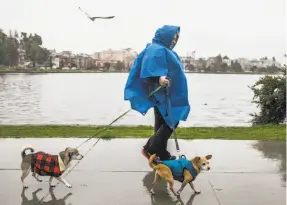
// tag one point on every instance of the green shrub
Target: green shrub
(270, 97)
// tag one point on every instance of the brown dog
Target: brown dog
(181, 170)
(45, 164)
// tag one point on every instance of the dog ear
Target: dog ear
(67, 149)
(197, 159)
(208, 157)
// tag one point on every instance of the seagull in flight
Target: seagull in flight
(97, 17)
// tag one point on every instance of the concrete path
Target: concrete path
(115, 172)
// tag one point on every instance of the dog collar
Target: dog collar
(61, 164)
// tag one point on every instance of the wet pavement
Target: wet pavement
(114, 172)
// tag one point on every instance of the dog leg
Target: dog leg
(171, 183)
(50, 182)
(184, 183)
(24, 175)
(192, 186)
(64, 182)
(34, 175)
(154, 183)
(187, 178)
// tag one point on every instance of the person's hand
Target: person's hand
(163, 81)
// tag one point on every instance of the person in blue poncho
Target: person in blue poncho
(159, 65)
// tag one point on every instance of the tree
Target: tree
(253, 68)
(262, 70)
(217, 64)
(3, 48)
(235, 66)
(120, 66)
(107, 65)
(12, 50)
(8, 49)
(273, 69)
(201, 64)
(224, 67)
(190, 67)
(33, 49)
(270, 97)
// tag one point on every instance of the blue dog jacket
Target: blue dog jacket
(177, 167)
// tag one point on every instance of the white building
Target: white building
(263, 63)
(117, 55)
(226, 60)
(113, 56)
(244, 62)
(210, 61)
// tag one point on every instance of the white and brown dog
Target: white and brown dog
(182, 170)
(44, 164)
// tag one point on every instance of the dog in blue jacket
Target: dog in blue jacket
(182, 170)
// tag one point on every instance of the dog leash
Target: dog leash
(94, 135)
(168, 93)
(115, 120)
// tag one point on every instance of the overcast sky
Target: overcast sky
(237, 28)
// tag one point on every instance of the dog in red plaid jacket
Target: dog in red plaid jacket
(44, 164)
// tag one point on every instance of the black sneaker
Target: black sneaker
(168, 156)
(172, 158)
(145, 153)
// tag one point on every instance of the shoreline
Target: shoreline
(97, 71)
(262, 132)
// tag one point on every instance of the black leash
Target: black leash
(107, 126)
(168, 93)
(93, 136)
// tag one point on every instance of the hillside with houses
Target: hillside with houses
(23, 51)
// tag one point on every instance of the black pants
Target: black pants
(157, 143)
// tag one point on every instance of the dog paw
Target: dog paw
(152, 192)
(198, 192)
(40, 180)
(69, 185)
(25, 187)
(52, 185)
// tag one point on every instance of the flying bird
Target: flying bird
(97, 17)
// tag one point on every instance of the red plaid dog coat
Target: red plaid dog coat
(45, 164)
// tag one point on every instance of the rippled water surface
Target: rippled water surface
(97, 98)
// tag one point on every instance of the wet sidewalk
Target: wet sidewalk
(115, 172)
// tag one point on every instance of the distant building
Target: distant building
(263, 63)
(210, 61)
(113, 56)
(83, 61)
(244, 63)
(226, 60)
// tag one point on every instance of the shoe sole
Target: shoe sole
(144, 154)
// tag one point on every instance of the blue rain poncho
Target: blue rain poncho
(156, 60)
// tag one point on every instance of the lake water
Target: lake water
(97, 98)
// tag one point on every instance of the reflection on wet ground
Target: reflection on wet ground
(274, 150)
(114, 172)
(35, 199)
(162, 196)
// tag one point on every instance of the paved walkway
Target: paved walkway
(114, 172)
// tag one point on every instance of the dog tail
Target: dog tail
(23, 153)
(150, 161)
